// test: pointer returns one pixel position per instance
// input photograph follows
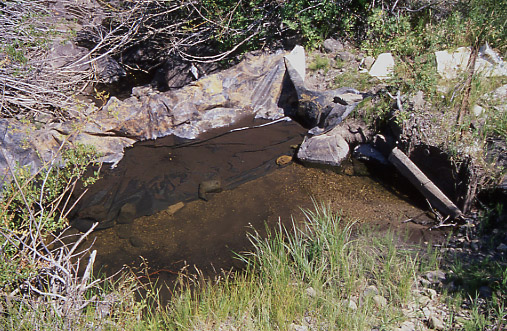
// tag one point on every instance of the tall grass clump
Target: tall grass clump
(327, 274)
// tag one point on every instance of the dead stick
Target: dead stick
(423, 183)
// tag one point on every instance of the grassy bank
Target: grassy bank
(326, 274)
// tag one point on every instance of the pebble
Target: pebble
(174, 208)
(423, 301)
(370, 290)
(311, 292)
(432, 293)
(283, 160)
(136, 242)
(380, 301)
(345, 56)
(435, 323)
(435, 276)
(350, 304)
(295, 327)
(406, 326)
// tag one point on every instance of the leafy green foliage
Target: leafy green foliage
(41, 195)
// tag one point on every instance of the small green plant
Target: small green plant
(37, 198)
(319, 62)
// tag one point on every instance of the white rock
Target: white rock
(368, 62)
(298, 60)
(477, 110)
(432, 293)
(450, 64)
(383, 66)
(488, 63)
(435, 276)
(426, 312)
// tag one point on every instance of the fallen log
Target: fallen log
(430, 191)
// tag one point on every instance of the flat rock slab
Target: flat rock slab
(383, 66)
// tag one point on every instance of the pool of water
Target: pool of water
(172, 228)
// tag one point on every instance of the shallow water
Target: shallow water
(174, 228)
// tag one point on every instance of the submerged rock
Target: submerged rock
(209, 186)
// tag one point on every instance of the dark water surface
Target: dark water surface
(171, 227)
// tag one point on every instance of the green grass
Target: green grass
(319, 62)
(326, 257)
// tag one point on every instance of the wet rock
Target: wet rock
(136, 242)
(124, 231)
(383, 66)
(127, 214)
(283, 160)
(320, 110)
(209, 186)
(366, 152)
(332, 45)
(252, 88)
(174, 208)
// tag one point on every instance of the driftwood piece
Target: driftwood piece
(436, 198)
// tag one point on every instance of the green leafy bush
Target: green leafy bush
(41, 197)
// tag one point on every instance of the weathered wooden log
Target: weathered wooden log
(430, 191)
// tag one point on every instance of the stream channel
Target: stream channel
(149, 207)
